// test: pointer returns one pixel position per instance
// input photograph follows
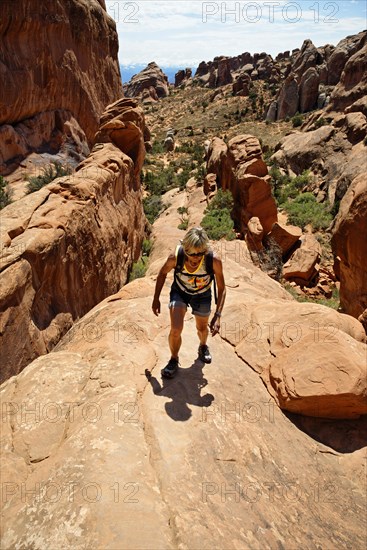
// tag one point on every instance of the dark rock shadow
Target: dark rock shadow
(183, 390)
(344, 436)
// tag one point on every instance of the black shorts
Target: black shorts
(200, 303)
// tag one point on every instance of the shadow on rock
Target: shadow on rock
(183, 390)
(344, 436)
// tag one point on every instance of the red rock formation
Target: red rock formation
(285, 236)
(288, 98)
(353, 82)
(151, 76)
(349, 243)
(71, 244)
(57, 59)
(241, 169)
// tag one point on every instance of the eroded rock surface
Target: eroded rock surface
(55, 57)
(71, 244)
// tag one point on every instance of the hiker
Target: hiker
(195, 268)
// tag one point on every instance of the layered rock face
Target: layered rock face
(71, 244)
(109, 445)
(349, 245)
(239, 167)
(151, 81)
(57, 63)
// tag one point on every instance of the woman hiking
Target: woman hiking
(195, 268)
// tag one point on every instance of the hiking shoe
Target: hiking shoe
(204, 353)
(170, 369)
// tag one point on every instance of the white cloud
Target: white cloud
(173, 33)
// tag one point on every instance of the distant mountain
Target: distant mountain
(128, 71)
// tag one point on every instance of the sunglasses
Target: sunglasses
(195, 254)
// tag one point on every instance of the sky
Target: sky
(178, 33)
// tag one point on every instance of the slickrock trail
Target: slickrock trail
(98, 454)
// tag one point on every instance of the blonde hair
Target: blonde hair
(196, 238)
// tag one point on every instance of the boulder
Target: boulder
(254, 235)
(286, 236)
(344, 50)
(301, 266)
(325, 378)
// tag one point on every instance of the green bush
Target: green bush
(50, 173)
(157, 148)
(321, 122)
(153, 206)
(286, 188)
(217, 221)
(159, 183)
(5, 193)
(139, 269)
(146, 247)
(297, 120)
(304, 210)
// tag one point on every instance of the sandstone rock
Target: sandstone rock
(308, 90)
(241, 85)
(47, 57)
(350, 245)
(285, 235)
(151, 76)
(308, 57)
(254, 234)
(353, 82)
(327, 379)
(182, 76)
(73, 242)
(224, 73)
(301, 267)
(210, 183)
(344, 50)
(216, 163)
(271, 115)
(288, 98)
(169, 144)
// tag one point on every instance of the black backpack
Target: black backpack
(208, 265)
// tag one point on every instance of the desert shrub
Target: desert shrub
(286, 188)
(153, 206)
(297, 120)
(217, 221)
(270, 259)
(184, 216)
(50, 173)
(195, 150)
(157, 148)
(320, 122)
(146, 247)
(139, 269)
(159, 183)
(5, 193)
(304, 210)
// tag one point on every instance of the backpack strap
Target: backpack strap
(210, 271)
(180, 258)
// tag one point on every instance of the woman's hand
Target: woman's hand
(215, 325)
(156, 306)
